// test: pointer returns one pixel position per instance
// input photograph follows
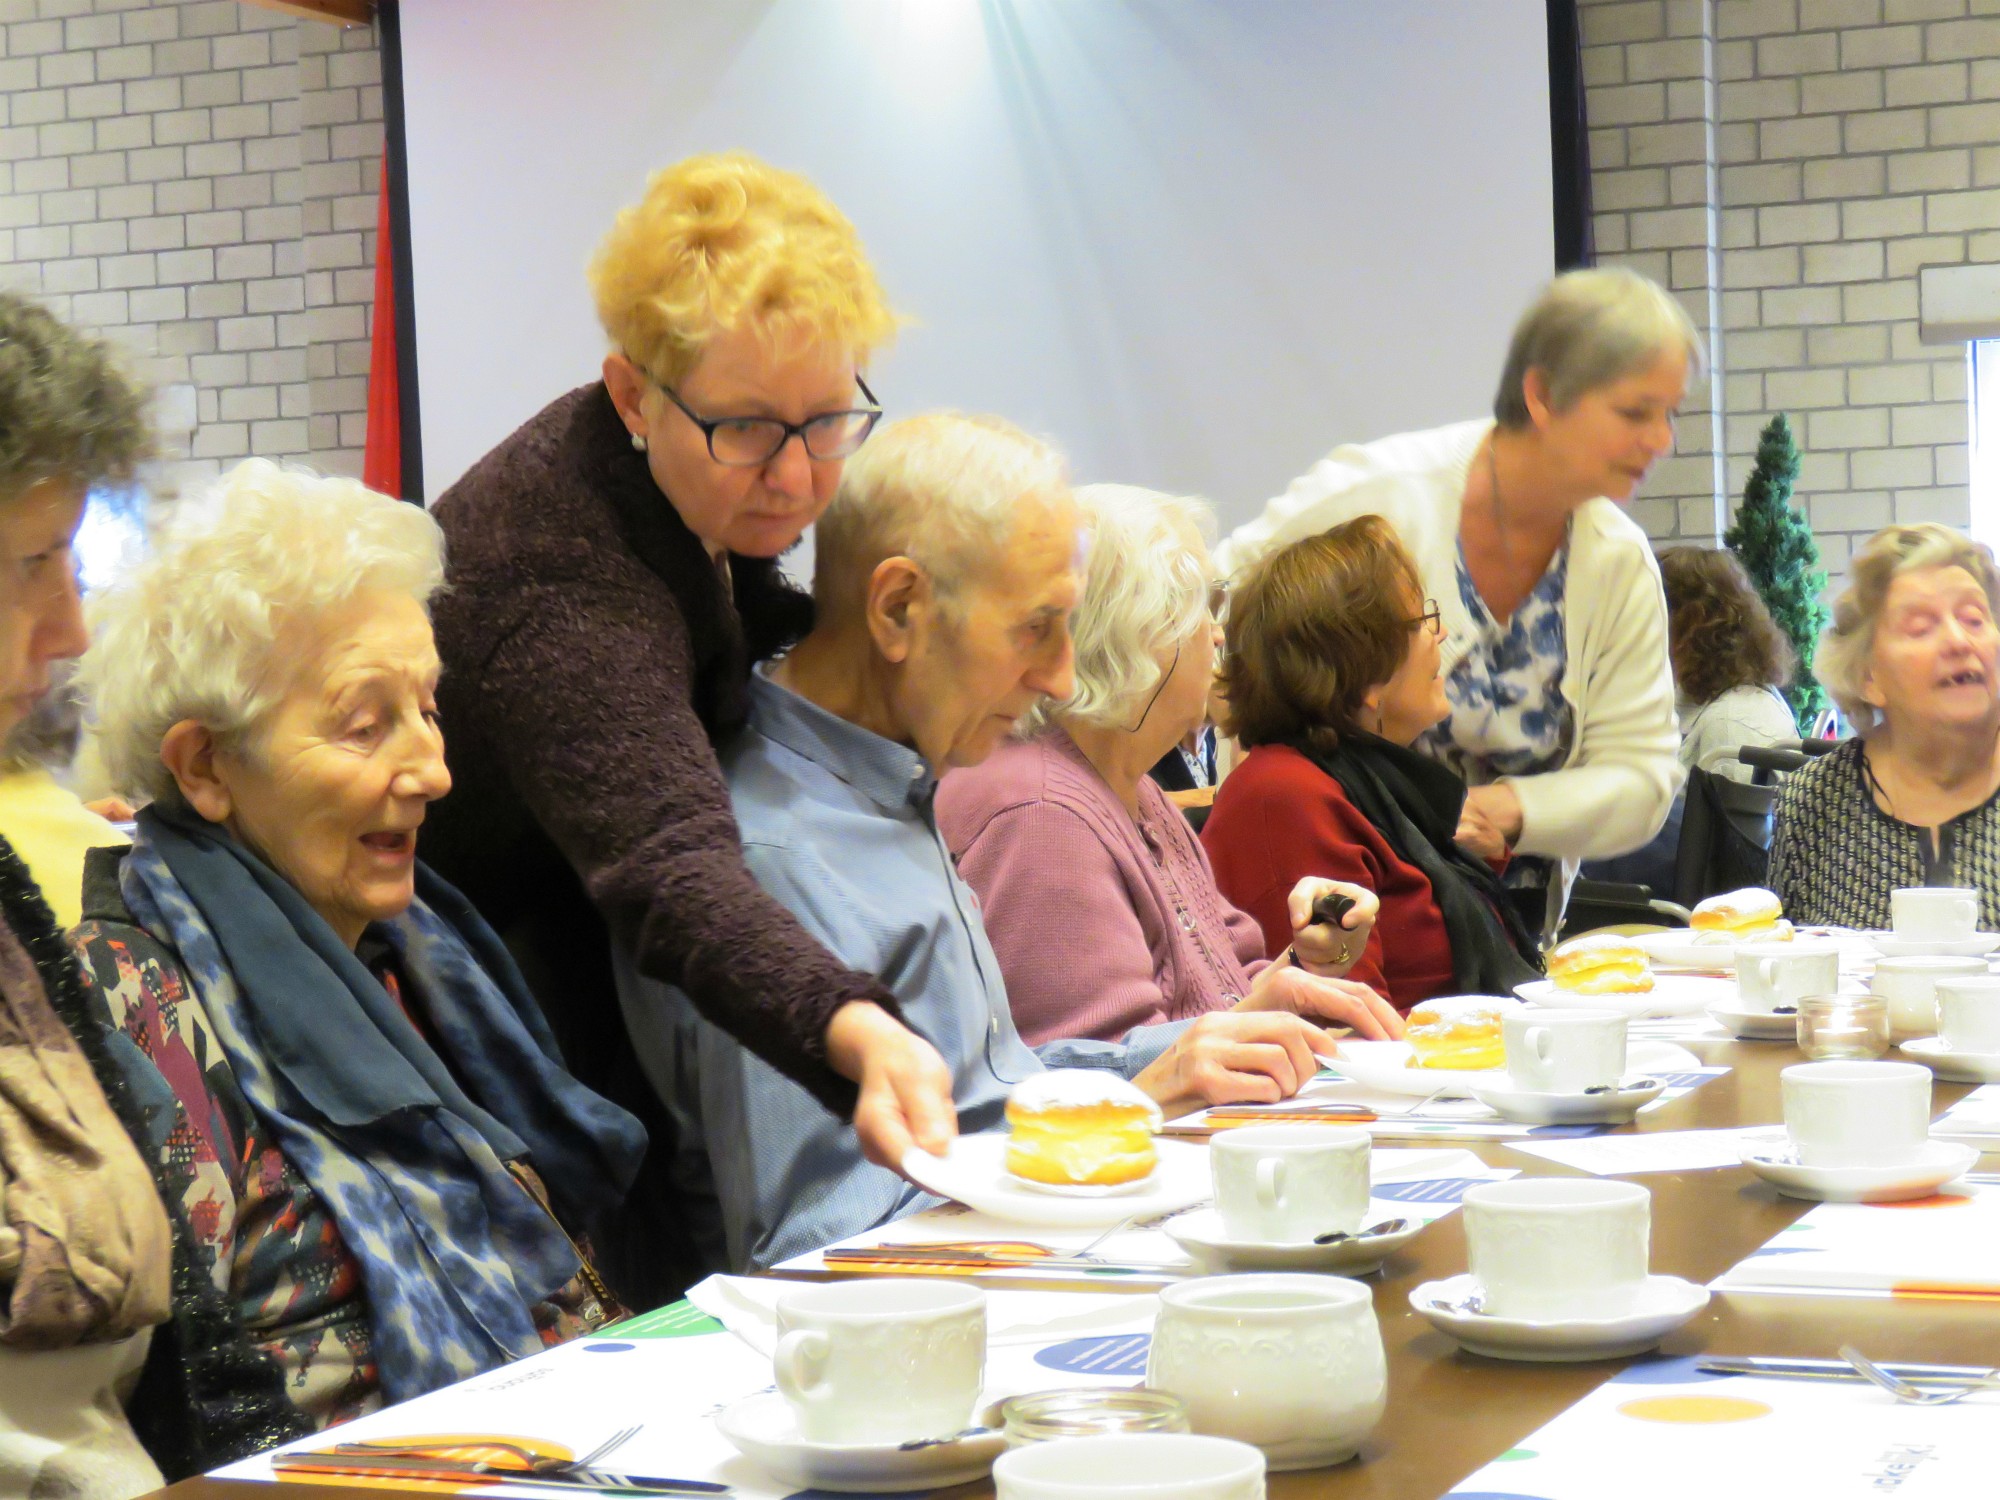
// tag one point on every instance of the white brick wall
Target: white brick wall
(1854, 141)
(197, 178)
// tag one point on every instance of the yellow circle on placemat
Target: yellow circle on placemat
(1695, 1409)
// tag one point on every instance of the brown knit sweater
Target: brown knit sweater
(592, 658)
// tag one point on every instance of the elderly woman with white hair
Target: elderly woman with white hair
(379, 1151)
(1555, 653)
(1913, 660)
(1097, 897)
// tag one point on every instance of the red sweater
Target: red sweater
(1279, 818)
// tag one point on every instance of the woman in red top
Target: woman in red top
(1331, 672)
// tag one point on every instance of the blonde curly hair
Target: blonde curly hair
(723, 242)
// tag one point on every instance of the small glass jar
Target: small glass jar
(1089, 1412)
(1836, 1026)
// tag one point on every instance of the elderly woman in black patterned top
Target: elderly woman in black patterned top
(1913, 660)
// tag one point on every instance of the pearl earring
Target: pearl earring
(639, 442)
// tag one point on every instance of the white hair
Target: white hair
(940, 489)
(1147, 592)
(1587, 329)
(194, 632)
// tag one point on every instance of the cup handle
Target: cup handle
(1270, 1181)
(1538, 1042)
(799, 1352)
(1765, 969)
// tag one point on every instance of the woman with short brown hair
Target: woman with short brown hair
(1730, 659)
(1332, 671)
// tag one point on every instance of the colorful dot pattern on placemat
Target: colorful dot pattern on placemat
(677, 1320)
(1681, 1370)
(1426, 1190)
(1694, 1410)
(1108, 1354)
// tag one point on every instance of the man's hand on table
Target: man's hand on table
(1236, 1057)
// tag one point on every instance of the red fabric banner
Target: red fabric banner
(382, 463)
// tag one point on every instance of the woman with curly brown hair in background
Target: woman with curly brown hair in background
(1730, 660)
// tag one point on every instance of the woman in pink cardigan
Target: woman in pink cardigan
(1095, 892)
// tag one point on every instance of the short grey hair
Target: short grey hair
(1849, 646)
(940, 489)
(1588, 329)
(194, 632)
(1148, 589)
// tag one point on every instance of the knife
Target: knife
(1836, 1369)
(444, 1468)
(926, 1255)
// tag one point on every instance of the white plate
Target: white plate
(1386, 1066)
(763, 1428)
(1201, 1234)
(973, 1171)
(1977, 946)
(1757, 1025)
(1532, 1107)
(1679, 948)
(1664, 1303)
(1671, 995)
(1772, 1158)
(1956, 1067)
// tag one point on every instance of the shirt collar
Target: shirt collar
(892, 776)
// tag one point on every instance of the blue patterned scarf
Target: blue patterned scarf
(454, 1252)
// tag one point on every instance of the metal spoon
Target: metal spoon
(1373, 1231)
(1621, 1088)
(1902, 1390)
(916, 1445)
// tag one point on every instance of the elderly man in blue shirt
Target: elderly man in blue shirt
(947, 568)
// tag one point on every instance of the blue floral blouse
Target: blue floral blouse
(1508, 714)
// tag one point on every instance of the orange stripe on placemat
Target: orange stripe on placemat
(1941, 1291)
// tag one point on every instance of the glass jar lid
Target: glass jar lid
(1088, 1411)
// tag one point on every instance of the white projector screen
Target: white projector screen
(1197, 242)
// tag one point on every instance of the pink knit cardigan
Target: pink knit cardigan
(1101, 923)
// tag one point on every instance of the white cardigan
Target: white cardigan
(1614, 791)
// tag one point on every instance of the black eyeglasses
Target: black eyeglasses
(747, 442)
(1432, 618)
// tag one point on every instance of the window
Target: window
(1983, 356)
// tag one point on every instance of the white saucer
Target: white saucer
(1772, 1158)
(1758, 1025)
(1664, 1303)
(1671, 995)
(1957, 1067)
(1531, 1107)
(1386, 1066)
(973, 1170)
(1977, 946)
(1200, 1233)
(764, 1428)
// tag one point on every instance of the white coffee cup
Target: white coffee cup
(1564, 1051)
(881, 1361)
(1934, 913)
(1554, 1248)
(1285, 1184)
(1910, 984)
(1128, 1466)
(1769, 975)
(1968, 1014)
(1856, 1114)
(1292, 1363)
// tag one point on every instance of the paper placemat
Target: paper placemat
(1409, 1184)
(1946, 1245)
(1663, 1430)
(1656, 1151)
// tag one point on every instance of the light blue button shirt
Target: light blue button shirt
(837, 824)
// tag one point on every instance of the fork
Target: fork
(1902, 1390)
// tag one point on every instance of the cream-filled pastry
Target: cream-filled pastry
(1751, 915)
(1080, 1127)
(1457, 1031)
(1603, 964)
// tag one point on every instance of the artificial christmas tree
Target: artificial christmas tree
(1776, 546)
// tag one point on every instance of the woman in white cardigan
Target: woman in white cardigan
(1555, 660)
